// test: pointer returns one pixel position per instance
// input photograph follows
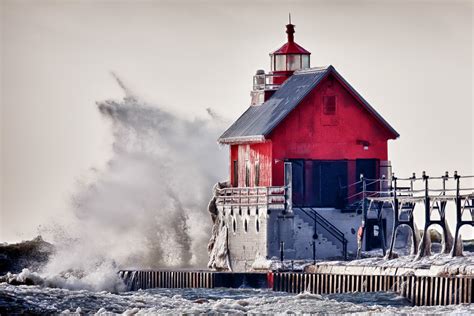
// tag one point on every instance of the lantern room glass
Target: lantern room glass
(293, 62)
(304, 61)
(280, 62)
(289, 62)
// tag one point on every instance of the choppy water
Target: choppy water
(38, 300)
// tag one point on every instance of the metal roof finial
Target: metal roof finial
(290, 30)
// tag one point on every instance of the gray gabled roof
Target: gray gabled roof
(255, 124)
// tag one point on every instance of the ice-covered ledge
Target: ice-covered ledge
(435, 265)
(270, 197)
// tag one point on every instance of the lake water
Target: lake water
(40, 300)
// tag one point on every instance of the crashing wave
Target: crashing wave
(146, 208)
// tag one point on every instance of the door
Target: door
(369, 168)
(333, 175)
(317, 183)
(327, 178)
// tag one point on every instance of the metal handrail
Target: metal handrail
(330, 228)
(265, 81)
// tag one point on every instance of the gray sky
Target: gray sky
(412, 60)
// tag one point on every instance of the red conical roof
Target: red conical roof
(291, 47)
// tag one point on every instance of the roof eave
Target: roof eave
(293, 48)
(242, 140)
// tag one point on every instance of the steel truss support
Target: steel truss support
(433, 203)
(399, 208)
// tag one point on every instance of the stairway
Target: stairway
(310, 221)
(304, 233)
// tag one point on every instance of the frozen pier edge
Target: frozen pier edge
(416, 285)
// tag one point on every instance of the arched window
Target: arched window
(234, 225)
(247, 173)
(246, 225)
(257, 225)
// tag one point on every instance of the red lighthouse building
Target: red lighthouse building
(295, 154)
(314, 120)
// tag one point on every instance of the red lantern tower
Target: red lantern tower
(283, 63)
(288, 58)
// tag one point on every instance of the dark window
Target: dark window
(257, 225)
(234, 226)
(247, 173)
(257, 173)
(236, 173)
(330, 82)
(245, 226)
(329, 105)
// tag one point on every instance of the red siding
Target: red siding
(308, 133)
(249, 154)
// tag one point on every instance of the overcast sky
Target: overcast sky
(412, 60)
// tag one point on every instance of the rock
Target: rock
(201, 301)
(27, 254)
(435, 236)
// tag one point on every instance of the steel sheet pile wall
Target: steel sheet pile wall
(167, 279)
(420, 290)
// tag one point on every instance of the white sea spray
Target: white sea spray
(147, 207)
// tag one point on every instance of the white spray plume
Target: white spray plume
(147, 207)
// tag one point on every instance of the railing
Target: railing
(365, 188)
(383, 188)
(323, 223)
(267, 81)
(433, 193)
(403, 194)
(271, 197)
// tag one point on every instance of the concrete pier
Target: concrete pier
(419, 289)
